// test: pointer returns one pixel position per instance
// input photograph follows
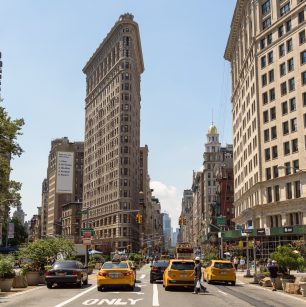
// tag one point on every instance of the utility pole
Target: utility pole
(86, 246)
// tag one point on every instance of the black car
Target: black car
(157, 270)
(67, 272)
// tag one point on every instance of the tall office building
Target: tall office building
(112, 136)
(167, 230)
(65, 181)
(267, 51)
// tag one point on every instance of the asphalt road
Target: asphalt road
(146, 294)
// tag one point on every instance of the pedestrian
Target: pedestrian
(197, 277)
(273, 270)
(242, 264)
(236, 262)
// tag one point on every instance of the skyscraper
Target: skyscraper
(112, 137)
(266, 49)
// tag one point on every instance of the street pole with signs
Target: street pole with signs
(246, 232)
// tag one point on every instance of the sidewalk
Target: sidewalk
(250, 280)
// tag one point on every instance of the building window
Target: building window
(288, 25)
(282, 69)
(285, 9)
(267, 135)
(272, 113)
(273, 133)
(276, 192)
(293, 124)
(281, 50)
(289, 45)
(267, 154)
(283, 88)
(266, 23)
(291, 85)
(290, 64)
(264, 80)
(285, 128)
(303, 57)
(302, 37)
(263, 62)
(284, 108)
(294, 145)
(286, 148)
(296, 166)
(269, 39)
(303, 77)
(268, 173)
(272, 93)
(297, 189)
(271, 75)
(266, 7)
(280, 31)
(304, 99)
(292, 104)
(274, 152)
(301, 16)
(304, 116)
(262, 43)
(265, 98)
(270, 57)
(287, 168)
(275, 171)
(288, 190)
(265, 116)
(269, 194)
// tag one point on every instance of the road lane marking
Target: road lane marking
(75, 297)
(222, 292)
(155, 295)
(142, 276)
(137, 293)
(114, 301)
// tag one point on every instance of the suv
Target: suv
(157, 270)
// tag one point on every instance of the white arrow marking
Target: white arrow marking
(142, 276)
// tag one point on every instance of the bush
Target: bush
(7, 267)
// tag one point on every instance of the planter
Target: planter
(303, 288)
(6, 284)
(278, 284)
(20, 282)
(33, 278)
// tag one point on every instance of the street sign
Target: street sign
(220, 220)
(87, 241)
(288, 229)
(87, 234)
(247, 231)
(261, 231)
(82, 230)
(80, 212)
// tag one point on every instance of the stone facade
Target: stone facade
(266, 49)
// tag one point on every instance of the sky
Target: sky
(185, 86)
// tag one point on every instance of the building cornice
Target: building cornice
(234, 29)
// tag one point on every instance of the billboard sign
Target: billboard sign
(64, 180)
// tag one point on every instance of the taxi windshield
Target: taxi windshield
(121, 265)
(222, 265)
(181, 265)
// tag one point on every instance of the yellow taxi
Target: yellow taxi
(179, 273)
(220, 270)
(116, 273)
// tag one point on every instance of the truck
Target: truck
(184, 251)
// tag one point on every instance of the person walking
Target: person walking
(273, 270)
(197, 277)
(242, 264)
(236, 262)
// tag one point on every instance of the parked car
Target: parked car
(179, 273)
(157, 270)
(220, 270)
(116, 273)
(67, 272)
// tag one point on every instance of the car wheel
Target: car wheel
(49, 285)
(208, 281)
(233, 283)
(85, 282)
(151, 281)
(167, 288)
(100, 288)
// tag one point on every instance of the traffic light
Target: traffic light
(140, 219)
(137, 218)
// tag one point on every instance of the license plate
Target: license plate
(60, 274)
(115, 275)
(183, 275)
(223, 273)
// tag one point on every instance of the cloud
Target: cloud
(170, 199)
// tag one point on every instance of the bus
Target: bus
(184, 251)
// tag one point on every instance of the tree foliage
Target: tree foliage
(287, 258)
(9, 148)
(20, 233)
(46, 251)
